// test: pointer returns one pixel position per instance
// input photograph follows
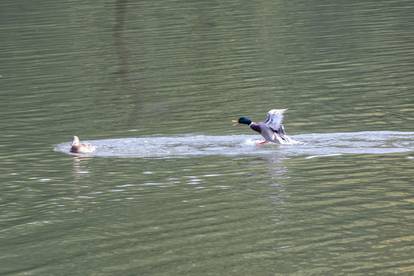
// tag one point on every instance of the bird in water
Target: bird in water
(78, 147)
(271, 128)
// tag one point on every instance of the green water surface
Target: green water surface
(119, 69)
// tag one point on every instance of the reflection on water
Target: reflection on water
(120, 44)
(210, 202)
(80, 166)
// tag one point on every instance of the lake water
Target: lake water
(174, 188)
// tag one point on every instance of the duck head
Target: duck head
(75, 141)
(242, 121)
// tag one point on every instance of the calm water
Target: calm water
(162, 80)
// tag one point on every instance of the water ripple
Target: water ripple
(312, 145)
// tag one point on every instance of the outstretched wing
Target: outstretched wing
(274, 118)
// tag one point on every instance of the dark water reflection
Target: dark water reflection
(122, 69)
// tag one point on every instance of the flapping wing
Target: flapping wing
(274, 118)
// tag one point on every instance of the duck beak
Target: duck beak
(235, 123)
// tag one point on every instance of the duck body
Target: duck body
(271, 128)
(78, 147)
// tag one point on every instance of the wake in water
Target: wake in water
(310, 145)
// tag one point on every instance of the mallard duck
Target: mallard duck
(271, 129)
(78, 147)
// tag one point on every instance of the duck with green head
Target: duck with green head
(271, 128)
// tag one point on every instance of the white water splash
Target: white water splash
(312, 145)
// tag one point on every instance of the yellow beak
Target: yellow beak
(235, 123)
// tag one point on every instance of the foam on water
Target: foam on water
(311, 145)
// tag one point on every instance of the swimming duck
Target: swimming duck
(271, 129)
(78, 147)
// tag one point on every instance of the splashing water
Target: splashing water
(310, 145)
